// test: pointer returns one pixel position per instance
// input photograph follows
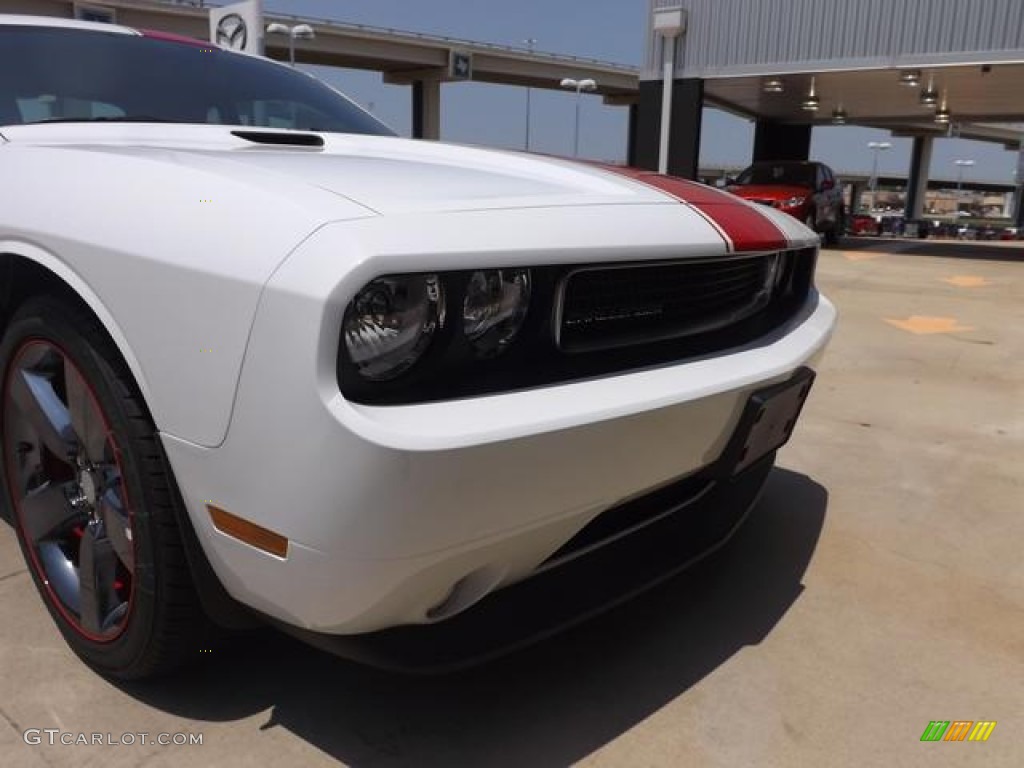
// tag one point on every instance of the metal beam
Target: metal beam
(426, 109)
(917, 182)
(408, 77)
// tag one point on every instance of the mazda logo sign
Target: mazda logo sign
(232, 32)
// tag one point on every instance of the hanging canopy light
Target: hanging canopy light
(929, 96)
(910, 77)
(942, 113)
(773, 85)
(839, 116)
(811, 103)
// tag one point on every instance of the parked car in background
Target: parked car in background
(862, 224)
(891, 222)
(806, 190)
(944, 229)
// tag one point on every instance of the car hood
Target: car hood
(769, 191)
(385, 174)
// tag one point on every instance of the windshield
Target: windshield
(795, 174)
(49, 74)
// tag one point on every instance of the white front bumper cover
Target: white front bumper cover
(387, 507)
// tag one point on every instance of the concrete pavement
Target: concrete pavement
(879, 585)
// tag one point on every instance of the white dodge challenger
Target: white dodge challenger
(263, 358)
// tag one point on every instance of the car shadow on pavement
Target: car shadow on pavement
(550, 704)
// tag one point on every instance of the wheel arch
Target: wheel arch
(27, 271)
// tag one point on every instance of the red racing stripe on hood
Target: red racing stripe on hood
(742, 226)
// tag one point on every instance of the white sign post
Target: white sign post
(238, 26)
(670, 26)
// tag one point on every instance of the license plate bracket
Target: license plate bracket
(767, 421)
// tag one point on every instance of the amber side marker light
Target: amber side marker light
(248, 532)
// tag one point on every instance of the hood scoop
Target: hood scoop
(290, 138)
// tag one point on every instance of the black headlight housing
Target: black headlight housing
(501, 329)
(479, 318)
(390, 323)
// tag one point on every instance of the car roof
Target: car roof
(14, 20)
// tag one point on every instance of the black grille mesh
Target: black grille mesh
(604, 308)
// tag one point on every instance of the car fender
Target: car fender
(74, 281)
(171, 259)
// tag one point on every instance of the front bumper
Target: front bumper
(388, 508)
(559, 598)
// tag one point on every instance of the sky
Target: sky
(610, 30)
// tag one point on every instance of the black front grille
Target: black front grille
(613, 307)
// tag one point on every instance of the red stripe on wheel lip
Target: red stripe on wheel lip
(742, 226)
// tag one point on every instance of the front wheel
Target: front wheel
(90, 498)
(835, 231)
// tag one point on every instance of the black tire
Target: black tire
(141, 616)
(811, 223)
(836, 230)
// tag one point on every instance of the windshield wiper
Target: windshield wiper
(124, 119)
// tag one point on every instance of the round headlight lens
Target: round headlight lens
(495, 307)
(389, 324)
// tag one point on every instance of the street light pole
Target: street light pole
(875, 146)
(530, 42)
(303, 31)
(579, 86)
(960, 165)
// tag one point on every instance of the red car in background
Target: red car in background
(864, 224)
(806, 190)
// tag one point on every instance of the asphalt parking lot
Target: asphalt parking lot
(879, 585)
